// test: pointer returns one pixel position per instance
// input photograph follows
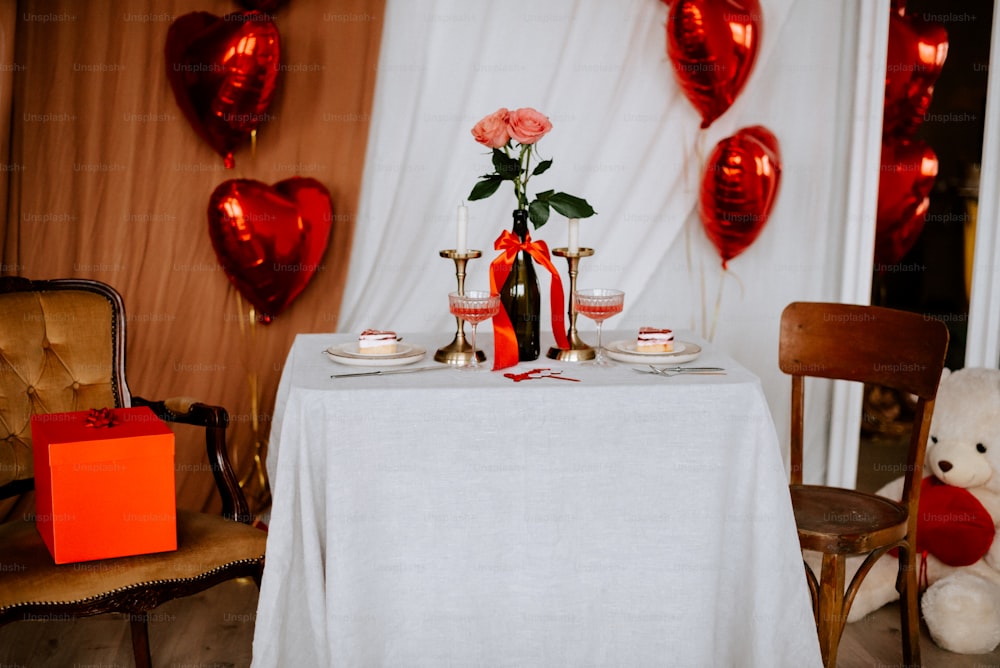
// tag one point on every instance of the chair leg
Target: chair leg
(909, 606)
(813, 591)
(140, 641)
(830, 609)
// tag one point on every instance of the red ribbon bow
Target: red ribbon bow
(504, 340)
(100, 417)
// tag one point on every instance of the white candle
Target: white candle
(574, 235)
(461, 245)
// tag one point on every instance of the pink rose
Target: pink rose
(492, 130)
(528, 125)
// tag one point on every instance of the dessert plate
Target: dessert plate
(624, 351)
(348, 353)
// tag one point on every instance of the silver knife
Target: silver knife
(682, 369)
(387, 372)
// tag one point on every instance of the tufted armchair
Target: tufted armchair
(62, 348)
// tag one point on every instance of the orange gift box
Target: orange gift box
(104, 490)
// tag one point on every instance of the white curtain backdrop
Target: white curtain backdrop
(627, 140)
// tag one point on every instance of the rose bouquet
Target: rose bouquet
(513, 135)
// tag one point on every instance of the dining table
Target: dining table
(582, 516)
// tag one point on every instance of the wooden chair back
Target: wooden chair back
(867, 344)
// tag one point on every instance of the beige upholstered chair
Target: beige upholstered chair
(62, 348)
(867, 344)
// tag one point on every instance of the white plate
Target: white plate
(624, 351)
(347, 353)
(632, 348)
(353, 349)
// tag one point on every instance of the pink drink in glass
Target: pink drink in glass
(474, 307)
(599, 304)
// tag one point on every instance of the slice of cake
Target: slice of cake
(653, 340)
(377, 342)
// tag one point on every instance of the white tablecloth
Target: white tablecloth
(455, 518)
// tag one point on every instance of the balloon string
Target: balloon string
(252, 377)
(699, 161)
(689, 261)
(686, 176)
(249, 330)
(239, 311)
(718, 299)
(718, 304)
(258, 442)
(242, 326)
(704, 313)
(739, 281)
(686, 168)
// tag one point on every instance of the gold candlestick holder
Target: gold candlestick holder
(459, 352)
(578, 350)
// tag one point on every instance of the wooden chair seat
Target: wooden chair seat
(207, 546)
(845, 521)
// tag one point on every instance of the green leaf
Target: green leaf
(506, 167)
(538, 213)
(544, 196)
(541, 167)
(570, 206)
(485, 188)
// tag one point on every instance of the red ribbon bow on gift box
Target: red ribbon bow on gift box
(504, 340)
(100, 417)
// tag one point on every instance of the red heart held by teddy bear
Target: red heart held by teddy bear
(907, 176)
(270, 239)
(916, 54)
(953, 525)
(223, 72)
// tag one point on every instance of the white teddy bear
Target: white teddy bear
(962, 604)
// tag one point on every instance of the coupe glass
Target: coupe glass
(474, 307)
(599, 304)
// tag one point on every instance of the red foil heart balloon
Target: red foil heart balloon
(270, 239)
(916, 54)
(712, 45)
(909, 168)
(223, 72)
(738, 189)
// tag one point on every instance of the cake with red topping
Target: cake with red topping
(377, 342)
(653, 340)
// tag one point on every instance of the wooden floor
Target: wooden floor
(875, 642)
(215, 628)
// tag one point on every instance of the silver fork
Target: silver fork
(681, 370)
